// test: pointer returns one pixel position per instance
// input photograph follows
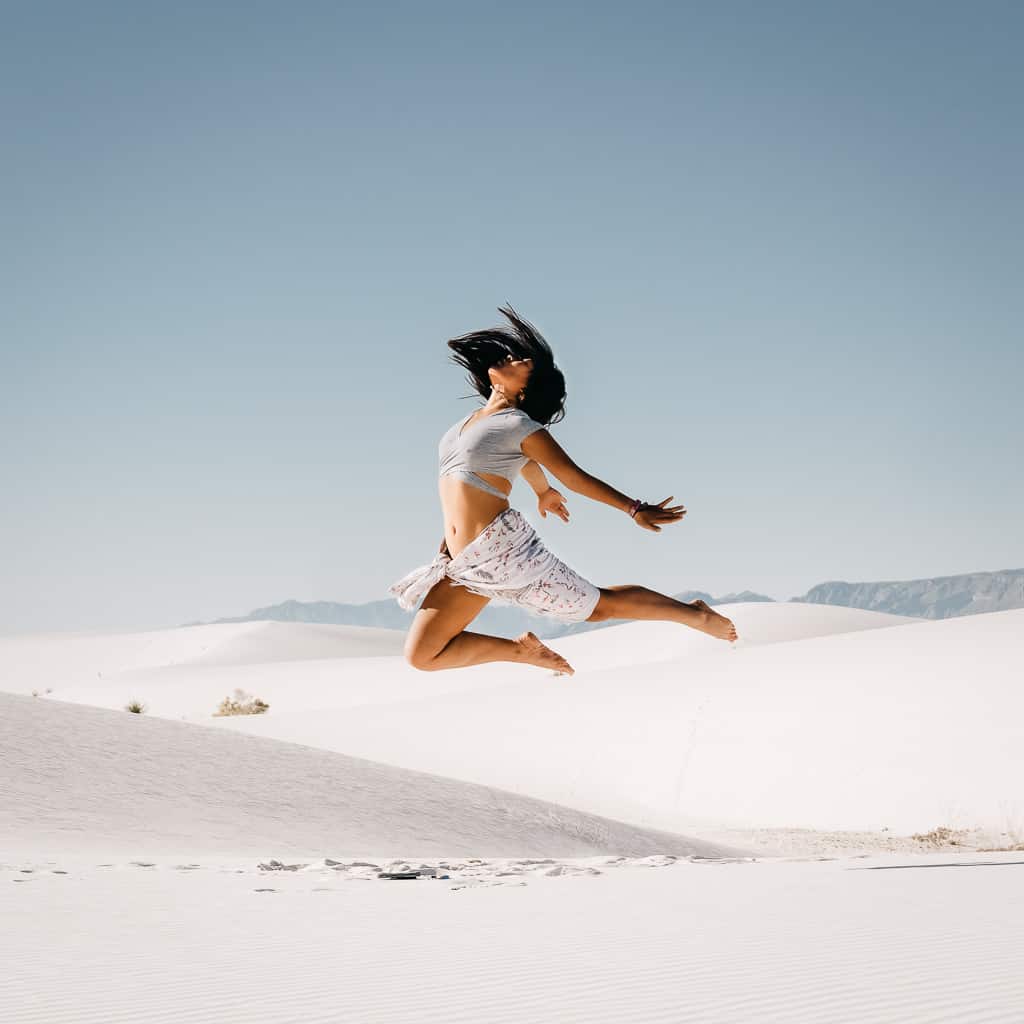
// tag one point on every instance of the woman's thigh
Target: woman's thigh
(446, 611)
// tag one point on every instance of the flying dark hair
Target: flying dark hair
(478, 351)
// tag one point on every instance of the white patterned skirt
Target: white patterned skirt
(507, 562)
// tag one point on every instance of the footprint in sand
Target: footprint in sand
(570, 869)
(276, 865)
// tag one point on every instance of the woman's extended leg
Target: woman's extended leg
(631, 601)
(438, 639)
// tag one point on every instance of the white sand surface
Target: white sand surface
(184, 673)
(81, 779)
(67, 660)
(889, 731)
(640, 643)
(177, 672)
(823, 718)
(227, 869)
(863, 941)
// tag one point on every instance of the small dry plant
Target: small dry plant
(135, 707)
(241, 704)
(941, 836)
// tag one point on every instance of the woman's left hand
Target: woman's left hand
(552, 501)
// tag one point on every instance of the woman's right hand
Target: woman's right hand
(653, 517)
(552, 501)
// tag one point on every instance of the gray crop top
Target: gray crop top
(488, 445)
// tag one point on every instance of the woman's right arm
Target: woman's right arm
(543, 448)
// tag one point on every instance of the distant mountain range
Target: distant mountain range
(938, 598)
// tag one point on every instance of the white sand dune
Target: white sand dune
(640, 643)
(67, 661)
(59, 660)
(817, 721)
(264, 642)
(187, 672)
(82, 779)
(159, 870)
(894, 730)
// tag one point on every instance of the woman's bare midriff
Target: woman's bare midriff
(467, 509)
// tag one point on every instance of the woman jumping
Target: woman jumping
(489, 551)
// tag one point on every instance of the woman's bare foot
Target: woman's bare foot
(714, 624)
(533, 652)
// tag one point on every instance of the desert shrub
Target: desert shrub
(241, 704)
(941, 836)
(135, 707)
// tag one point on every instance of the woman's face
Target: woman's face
(512, 373)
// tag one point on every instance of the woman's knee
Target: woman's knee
(445, 612)
(419, 657)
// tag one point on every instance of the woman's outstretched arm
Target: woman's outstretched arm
(543, 448)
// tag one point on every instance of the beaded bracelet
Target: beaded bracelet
(634, 508)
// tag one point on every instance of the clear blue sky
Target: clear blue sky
(777, 249)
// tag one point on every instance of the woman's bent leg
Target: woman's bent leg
(631, 601)
(437, 638)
